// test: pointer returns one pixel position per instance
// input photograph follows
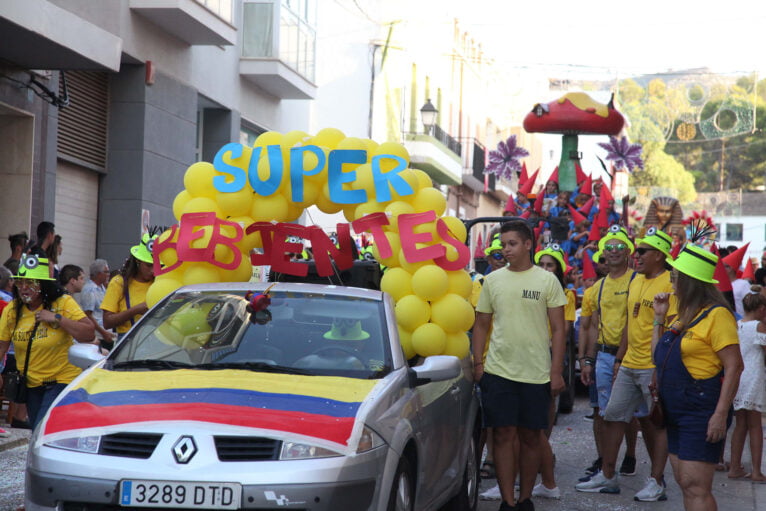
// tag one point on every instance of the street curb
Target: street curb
(16, 442)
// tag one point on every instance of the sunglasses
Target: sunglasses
(497, 256)
(643, 250)
(615, 247)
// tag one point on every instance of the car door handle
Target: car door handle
(454, 390)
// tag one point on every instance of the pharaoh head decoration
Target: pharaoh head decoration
(665, 214)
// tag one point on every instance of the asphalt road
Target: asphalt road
(572, 441)
(573, 444)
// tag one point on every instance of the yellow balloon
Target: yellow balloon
(294, 138)
(411, 312)
(430, 228)
(201, 205)
(294, 211)
(325, 205)
(352, 143)
(405, 339)
(266, 209)
(265, 171)
(430, 282)
(328, 137)
(160, 288)
(349, 212)
(429, 339)
(198, 179)
(200, 273)
(268, 138)
(396, 247)
(311, 192)
(456, 227)
(429, 199)
(168, 256)
(242, 273)
(424, 180)
(180, 202)
(364, 180)
(372, 146)
(366, 208)
(235, 203)
(391, 148)
(397, 283)
(453, 313)
(460, 283)
(393, 210)
(412, 267)
(248, 241)
(458, 344)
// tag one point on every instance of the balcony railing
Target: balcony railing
(451, 143)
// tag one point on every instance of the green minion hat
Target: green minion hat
(143, 251)
(695, 262)
(658, 239)
(344, 329)
(495, 245)
(616, 233)
(33, 267)
(555, 251)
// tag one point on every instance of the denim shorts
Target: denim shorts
(630, 395)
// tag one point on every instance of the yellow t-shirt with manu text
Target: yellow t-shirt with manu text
(641, 318)
(701, 342)
(519, 303)
(48, 357)
(114, 299)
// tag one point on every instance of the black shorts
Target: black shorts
(512, 403)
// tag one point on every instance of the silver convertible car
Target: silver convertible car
(231, 397)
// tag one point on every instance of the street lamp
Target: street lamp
(428, 116)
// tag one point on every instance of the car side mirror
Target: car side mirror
(84, 355)
(436, 368)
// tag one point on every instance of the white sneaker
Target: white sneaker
(599, 484)
(491, 494)
(652, 492)
(4, 433)
(541, 490)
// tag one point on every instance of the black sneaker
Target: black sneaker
(628, 467)
(594, 468)
(506, 507)
(525, 505)
(16, 423)
(589, 418)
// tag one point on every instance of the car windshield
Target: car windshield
(299, 333)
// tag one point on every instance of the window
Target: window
(248, 133)
(733, 232)
(296, 34)
(221, 8)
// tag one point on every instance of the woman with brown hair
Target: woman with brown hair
(692, 357)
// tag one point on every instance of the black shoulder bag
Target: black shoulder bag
(15, 382)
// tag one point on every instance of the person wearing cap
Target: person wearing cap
(692, 356)
(523, 365)
(125, 298)
(342, 349)
(608, 317)
(634, 371)
(41, 322)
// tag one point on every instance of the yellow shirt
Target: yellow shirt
(701, 342)
(613, 310)
(571, 307)
(519, 302)
(641, 317)
(114, 299)
(48, 358)
(588, 306)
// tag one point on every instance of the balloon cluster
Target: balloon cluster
(432, 310)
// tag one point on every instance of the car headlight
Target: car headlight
(89, 444)
(369, 441)
(299, 451)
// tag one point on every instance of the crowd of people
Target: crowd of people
(46, 308)
(661, 349)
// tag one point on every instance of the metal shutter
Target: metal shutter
(83, 124)
(76, 214)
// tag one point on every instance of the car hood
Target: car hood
(323, 410)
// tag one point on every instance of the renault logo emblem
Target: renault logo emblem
(185, 449)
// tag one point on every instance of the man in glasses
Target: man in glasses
(634, 369)
(609, 315)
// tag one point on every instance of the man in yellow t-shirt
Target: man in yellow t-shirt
(634, 368)
(522, 373)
